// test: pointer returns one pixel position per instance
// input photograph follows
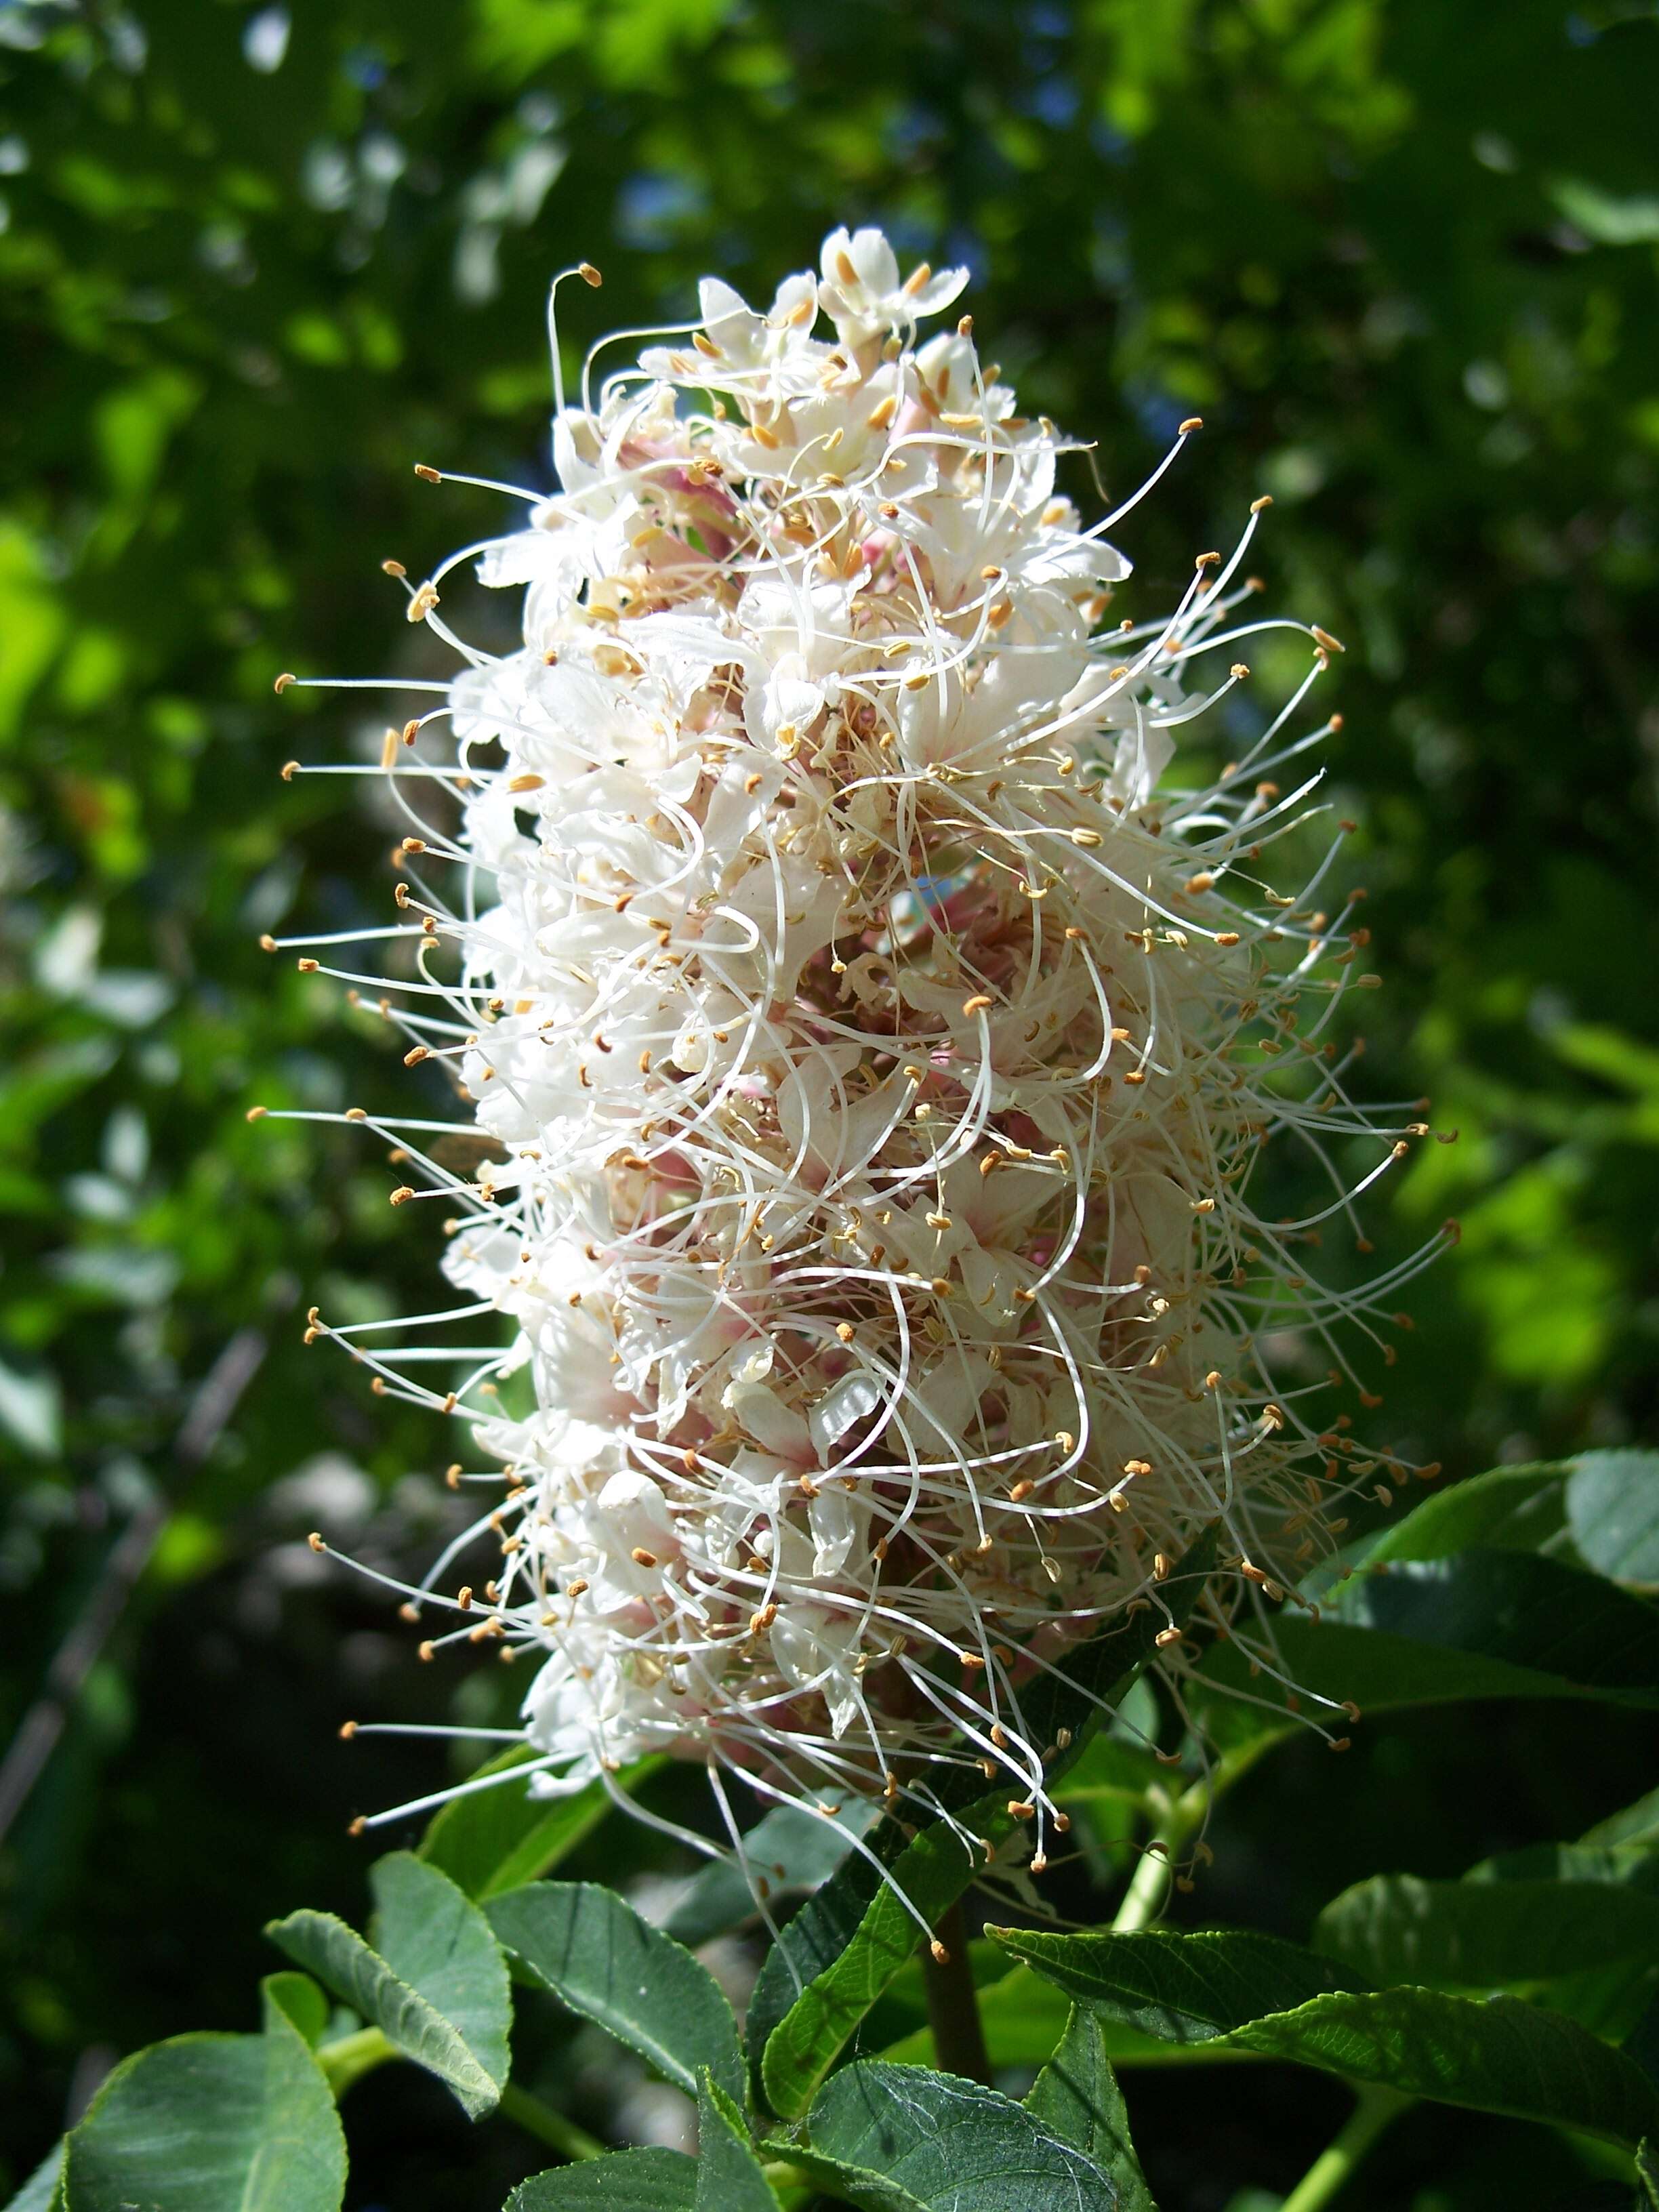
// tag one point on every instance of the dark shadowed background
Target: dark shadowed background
(254, 262)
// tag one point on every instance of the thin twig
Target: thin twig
(43, 1723)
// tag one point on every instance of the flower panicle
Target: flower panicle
(864, 1048)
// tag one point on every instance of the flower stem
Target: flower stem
(348, 2057)
(953, 2003)
(1177, 1819)
(549, 2127)
(1337, 2163)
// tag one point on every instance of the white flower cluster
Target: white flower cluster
(874, 1056)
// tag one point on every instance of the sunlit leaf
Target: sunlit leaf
(596, 1955)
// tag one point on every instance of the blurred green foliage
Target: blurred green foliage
(254, 261)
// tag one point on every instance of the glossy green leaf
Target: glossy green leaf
(901, 2136)
(1500, 2056)
(729, 2176)
(1520, 1609)
(846, 1945)
(493, 1840)
(1612, 1509)
(208, 2122)
(626, 2181)
(1518, 1509)
(1486, 1935)
(438, 1992)
(1181, 1988)
(1076, 2095)
(597, 1956)
(1480, 1625)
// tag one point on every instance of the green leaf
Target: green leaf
(1076, 2095)
(1181, 1988)
(1502, 2056)
(1486, 1935)
(438, 1942)
(493, 1840)
(1629, 1824)
(1025, 2017)
(455, 2023)
(1613, 1508)
(1411, 1634)
(729, 2176)
(815, 1938)
(205, 2123)
(596, 1956)
(1647, 2172)
(1520, 1609)
(845, 1945)
(791, 1848)
(626, 2181)
(931, 1872)
(912, 2137)
(305, 2005)
(1517, 1509)
(1608, 218)
(42, 2191)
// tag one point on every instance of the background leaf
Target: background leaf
(1612, 1509)
(496, 1840)
(1181, 1988)
(1439, 1633)
(788, 1850)
(300, 1999)
(1471, 1934)
(595, 1953)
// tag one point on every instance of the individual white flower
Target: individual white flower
(861, 292)
(866, 1036)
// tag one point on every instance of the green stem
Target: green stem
(788, 2182)
(1143, 1900)
(348, 2057)
(1176, 1821)
(1336, 2166)
(549, 2127)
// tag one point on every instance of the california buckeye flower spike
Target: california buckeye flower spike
(869, 1040)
